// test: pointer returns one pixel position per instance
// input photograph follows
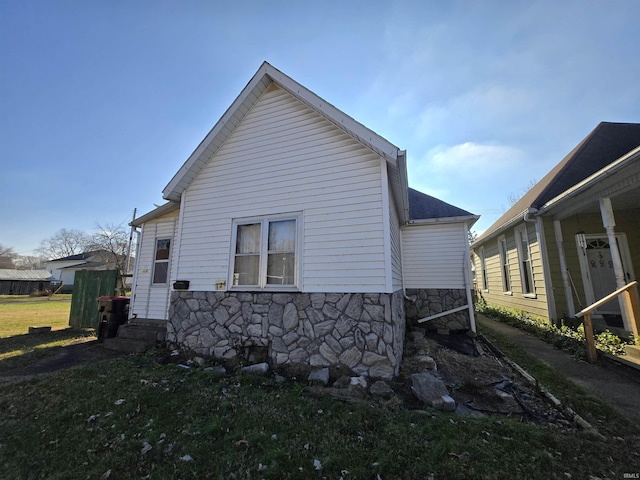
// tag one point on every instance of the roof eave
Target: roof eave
(155, 213)
(588, 182)
(255, 87)
(471, 219)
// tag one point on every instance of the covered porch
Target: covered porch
(593, 239)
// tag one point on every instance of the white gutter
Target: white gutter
(430, 221)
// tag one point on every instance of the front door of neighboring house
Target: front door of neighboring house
(596, 266)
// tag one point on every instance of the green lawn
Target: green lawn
(134, 417)
(19, 312)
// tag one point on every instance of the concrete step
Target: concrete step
(147, 333)
(127, 345)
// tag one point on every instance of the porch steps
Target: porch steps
(137, 335)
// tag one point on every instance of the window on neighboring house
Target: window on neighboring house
(483, 268)
(524, 258)
(265, 252)
(161, 261)
(504, 264)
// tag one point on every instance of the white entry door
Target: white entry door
(596, 265)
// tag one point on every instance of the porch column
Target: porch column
(566, 281)
(609, 223)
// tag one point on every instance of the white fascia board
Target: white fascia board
(195, 162)
(155, 213)
(245, 100)
(470, 219)
(352, 127)
(404, 186)
(591, 180)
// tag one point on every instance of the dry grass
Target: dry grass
(19, 312)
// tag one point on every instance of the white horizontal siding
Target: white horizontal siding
(282, 158)
(151, 301)
(433, 256)
(396, 256)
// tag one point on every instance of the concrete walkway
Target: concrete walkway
(615, 384)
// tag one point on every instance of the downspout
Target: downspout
(411, 298)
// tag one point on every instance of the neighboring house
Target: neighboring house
(573, 238)
(291, 228)
(24, 282)
(64, 269)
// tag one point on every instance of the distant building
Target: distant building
(64, 269)
(25, 282)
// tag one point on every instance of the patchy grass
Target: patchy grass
(18, 313)
(135, 418)
(21, 350)
(4, 299)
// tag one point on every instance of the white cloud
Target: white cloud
(471, 159)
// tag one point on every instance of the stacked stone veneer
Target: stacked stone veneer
(427, 302)
(364, 332)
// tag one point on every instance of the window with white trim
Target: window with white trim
(483, 269)
(504, 264)
(161, 261)
(524, 260)
(265, 252)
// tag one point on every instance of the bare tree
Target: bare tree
(513, 197)
(7, 257)
(113, 240)
(30, 262)
(63, 243)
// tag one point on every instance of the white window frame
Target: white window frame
(156, 261)
(525, 264)
(264, 222)
(483, 270)
(505, 271)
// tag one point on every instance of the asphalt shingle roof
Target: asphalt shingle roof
(423, 206)
(604, 145)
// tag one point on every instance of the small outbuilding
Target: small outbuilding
(24, 282)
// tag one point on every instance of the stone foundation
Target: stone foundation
(433, 301)
(364, 332)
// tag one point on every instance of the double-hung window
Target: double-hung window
(161, 261)
(504, 264)
(524, 258)
(265, 252)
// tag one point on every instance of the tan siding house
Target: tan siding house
(573, 238)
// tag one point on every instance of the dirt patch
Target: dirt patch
(81, 352)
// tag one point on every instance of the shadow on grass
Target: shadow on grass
(22, 350)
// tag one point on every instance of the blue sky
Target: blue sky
(102, 101)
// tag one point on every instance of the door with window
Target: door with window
(596, 265)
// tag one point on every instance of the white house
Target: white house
(291, 227)
(64, 269)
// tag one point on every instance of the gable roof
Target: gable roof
(265, 76)
(78, 256)
(426, 207)
(25, 275)
(603, 146)
(155, 213)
